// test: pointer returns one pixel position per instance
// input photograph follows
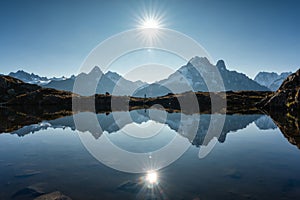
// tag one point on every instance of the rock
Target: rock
(53, 196)
(28, 193)
(130, 186)
(286, 98)
(11, 92)
(233, 173)
(5, 98)
(27, 173)
(291, 82)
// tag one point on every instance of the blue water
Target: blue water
(251, 160)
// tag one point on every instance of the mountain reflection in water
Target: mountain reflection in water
(14, 121)
(41, 152)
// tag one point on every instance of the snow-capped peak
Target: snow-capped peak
(199, 61)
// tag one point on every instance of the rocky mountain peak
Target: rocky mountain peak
(198, 61)
(96, 71)
(221, 64)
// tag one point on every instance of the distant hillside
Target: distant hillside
(11, 87)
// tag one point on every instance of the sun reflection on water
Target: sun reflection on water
(152, 177)
(152, 187)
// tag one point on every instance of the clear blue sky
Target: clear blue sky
(52, 37)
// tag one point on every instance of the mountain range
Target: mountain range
(187, 78)
(271, 80)
(110, 82)
(190, 77)
(33, 78)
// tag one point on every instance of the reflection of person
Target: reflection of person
(145, 96)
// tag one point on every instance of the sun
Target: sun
(151, 26)
(153, 19)
(150, 23)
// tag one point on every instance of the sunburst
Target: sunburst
(151, 29)
(150, 23)
(151, 18)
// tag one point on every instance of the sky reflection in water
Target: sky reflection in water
(252, 159)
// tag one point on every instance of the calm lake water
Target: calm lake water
(250, 160)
